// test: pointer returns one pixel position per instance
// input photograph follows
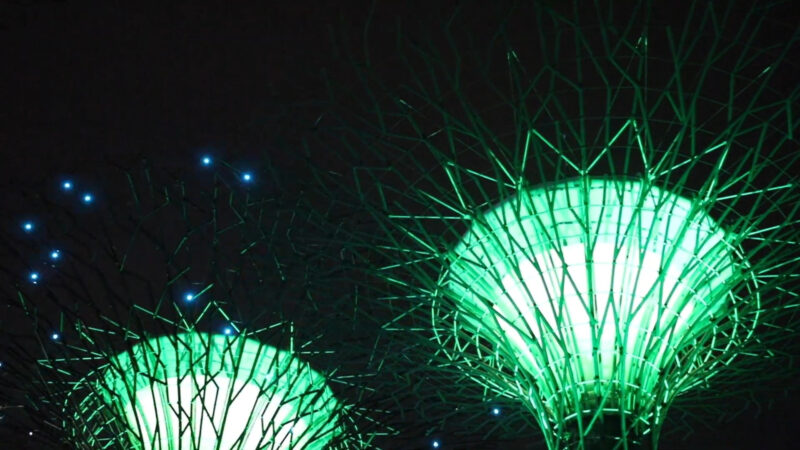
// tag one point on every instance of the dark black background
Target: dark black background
(84, 82)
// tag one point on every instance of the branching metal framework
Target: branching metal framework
(589, 215)
(202, 391)
(595, 214)
(178, 313)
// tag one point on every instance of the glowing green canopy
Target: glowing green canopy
(596, 294)
(199, 391)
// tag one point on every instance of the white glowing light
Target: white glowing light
(592, 284)
(209, 392)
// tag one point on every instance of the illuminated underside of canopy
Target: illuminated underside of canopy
(199, 391)
(596, 297)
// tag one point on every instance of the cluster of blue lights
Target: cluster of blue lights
(30, 227)
(87, 198)
(246, 177)
(54, 255)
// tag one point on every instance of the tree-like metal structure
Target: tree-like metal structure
(176, 310)
(203, 391)
(594, 215)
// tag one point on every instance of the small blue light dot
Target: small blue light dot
(27, 226)
(435, 444)
(247, 177)
(34, 277)
(88, 198)
(67, 185)
(55, 254)
(55, 336)
(206, 160)
(228, 331)
(189, 297)
(496, 411)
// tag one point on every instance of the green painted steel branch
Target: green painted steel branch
(206, 392)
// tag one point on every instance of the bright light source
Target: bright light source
(206, 160)
(204, 392)
(88, 198)
(247, 177)
(67, 185)
(549, 276)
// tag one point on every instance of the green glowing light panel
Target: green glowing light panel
(597, 295)
(199, 391)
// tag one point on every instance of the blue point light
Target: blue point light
(55, 254)
(206, 161)
(189, 297)
(247, 177)
(55, 336)
(228, 331)
(27, 226)
(67, 185)
(495, 411)
(435, 444)
(88, 198)
(34, 277)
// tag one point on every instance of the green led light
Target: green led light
(199, 391)
(596, 288)
(589, 216)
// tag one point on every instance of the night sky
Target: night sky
(87, 83)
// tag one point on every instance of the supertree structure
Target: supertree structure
(195, 390)
(594, 214)
(167, 309)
